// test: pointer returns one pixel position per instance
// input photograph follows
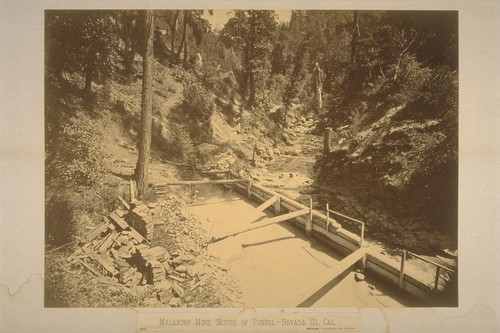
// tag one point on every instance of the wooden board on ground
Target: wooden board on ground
(96, 232)
(137, 236)
(124, 203)
(315, 287)
(265, 223)
(266, 204)
(84, 264)
(118, 220)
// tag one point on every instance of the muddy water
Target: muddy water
(274, 264)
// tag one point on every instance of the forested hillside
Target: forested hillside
(384, 82)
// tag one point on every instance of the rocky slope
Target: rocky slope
(393, 174)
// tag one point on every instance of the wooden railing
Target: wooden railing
(328, 227)
(361, 223)
(404, 255)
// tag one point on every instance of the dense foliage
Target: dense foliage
(252, 33)
(81, 41)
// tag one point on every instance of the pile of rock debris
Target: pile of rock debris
(120, 253)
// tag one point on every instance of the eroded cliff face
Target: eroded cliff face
(397, 173)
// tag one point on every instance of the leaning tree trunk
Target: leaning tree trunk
(146, 109)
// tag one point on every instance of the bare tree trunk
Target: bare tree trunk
(87, 90)
(251, 74)
(185, 61)
(183, 39)
(173, 28)
(318, 76)
(146, 108)
(355, 37)
(129, 46)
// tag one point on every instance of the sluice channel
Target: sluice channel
(276, 265)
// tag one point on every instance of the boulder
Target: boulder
(359, 277)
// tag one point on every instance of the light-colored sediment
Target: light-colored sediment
(276, 263)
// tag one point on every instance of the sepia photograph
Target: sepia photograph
(251, 158)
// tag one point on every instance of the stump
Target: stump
(327, 140)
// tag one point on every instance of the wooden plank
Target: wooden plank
(264, 223)
(264, 190)
(105, 264)
(107, 244)
(84, 264)
(176, 278)
(266, 204)
(257, 197)
(199, 182)
(124, 203)
(212, 172)
(137, 236)
(314, 289)
(118, 220)
(96, 232)
(105, 281)
(431, 262)
(336, 240)
(102, 246)
(120, 212)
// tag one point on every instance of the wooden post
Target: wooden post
(277, 206)
(189, 202)
(362, 235)
(327, 218)
(327, 140)
(402, 270)
(436, 280)
(249, 190)
(309, 220)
